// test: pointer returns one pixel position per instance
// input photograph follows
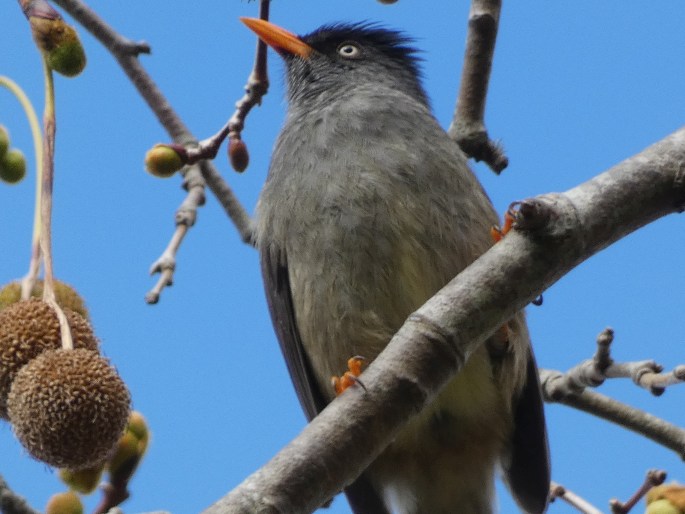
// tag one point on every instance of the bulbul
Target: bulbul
(369, 208)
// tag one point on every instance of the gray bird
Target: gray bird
(369, 209)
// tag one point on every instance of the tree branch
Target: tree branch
(126, 53)
(468, 125)
(11, 502)
(575, 501)
(555, 232)
(593, 372)
(641, 422)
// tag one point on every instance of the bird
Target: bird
(368, 209)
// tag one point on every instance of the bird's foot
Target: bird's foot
(351, 377)
(497, 233)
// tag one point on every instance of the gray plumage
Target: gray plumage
(368, 210)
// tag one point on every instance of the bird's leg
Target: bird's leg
(350, 377)
(498, 233)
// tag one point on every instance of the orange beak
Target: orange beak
(277, 38)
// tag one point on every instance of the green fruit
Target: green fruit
(68, 58)
(83, 481)
(60, 45)
(12, 166)
(126, 455)
(138, 427)
(162, 161)
(4, 141)
(662, 507)
(64, 503)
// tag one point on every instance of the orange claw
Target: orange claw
(498, 233)
(349, 378)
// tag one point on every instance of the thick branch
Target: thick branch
(556, 232)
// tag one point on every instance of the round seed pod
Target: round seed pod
(69, 408)
(67, 297)
(29, 328)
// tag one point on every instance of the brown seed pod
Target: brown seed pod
(69, 408)
(29, 328)
(238, 154)
(66, 296)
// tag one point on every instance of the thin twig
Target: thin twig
(46, 196)
(639, 421)
(653, 477)
(186, 215)
(468, 125)
(256, 87)
(582, 505)
(593, 372)
(126, 53)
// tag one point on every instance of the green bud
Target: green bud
(64, 503)
(138, 427)
(82, 481)
(4, 141)
(60, 44)
(12, 166)
(162, 161)
(126, 455)
(662, 507)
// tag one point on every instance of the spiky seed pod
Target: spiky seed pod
(64, 503)
(12, 166)
(69, 408)
(29, 328)
(67, 297)
(82, 481)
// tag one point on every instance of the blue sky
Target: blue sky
(576, 88)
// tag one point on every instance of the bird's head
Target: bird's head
(335, 59)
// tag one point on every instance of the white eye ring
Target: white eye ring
(349, 51)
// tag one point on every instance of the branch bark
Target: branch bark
(555, 233)
(468, 125)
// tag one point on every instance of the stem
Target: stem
(34, 264)
(49, 128)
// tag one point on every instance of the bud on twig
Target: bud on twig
(237, 154)
(60, 45)
(163, 161)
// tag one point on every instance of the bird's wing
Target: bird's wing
(279, 297)
(527, 471)
(361, 495)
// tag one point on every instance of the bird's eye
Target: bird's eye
(349, 51)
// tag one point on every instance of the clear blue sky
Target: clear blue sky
(576, 88)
